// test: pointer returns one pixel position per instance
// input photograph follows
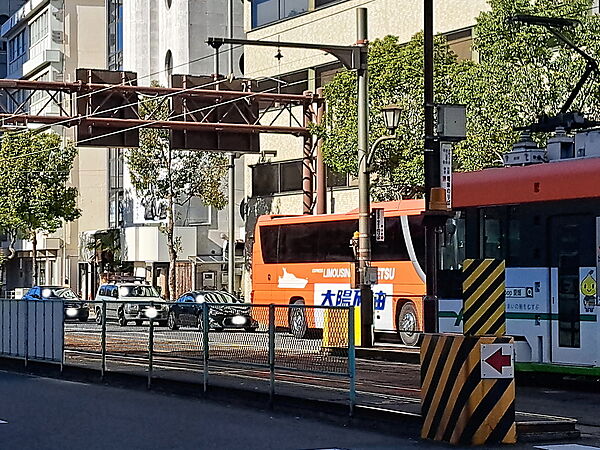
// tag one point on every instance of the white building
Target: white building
(160, 38)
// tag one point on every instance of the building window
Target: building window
(461, 43)
(274, 178)
(268, 11)
(16, 46)
(115, 35)
(169, 66)
(115, 187)
(319, 3)
(38, 29)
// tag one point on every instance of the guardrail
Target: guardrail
(206, 343)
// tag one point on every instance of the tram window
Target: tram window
(492, 234)
(453, 243)
(514, 237)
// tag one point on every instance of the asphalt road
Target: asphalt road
(40, 413)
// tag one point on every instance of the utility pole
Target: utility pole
(230, 32)
(432, 176)
(364, 205)
(230, 181)
(231, 219)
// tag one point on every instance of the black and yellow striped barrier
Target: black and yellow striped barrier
(484, 297)
(458, 406)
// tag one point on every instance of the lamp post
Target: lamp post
(391, 118)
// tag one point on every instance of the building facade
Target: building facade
(274, 184)
(47, 40)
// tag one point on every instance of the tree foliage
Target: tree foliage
(34, 191)
(522, 72)
(172, 177)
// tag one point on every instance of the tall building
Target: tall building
(47, 40)
(155, 39)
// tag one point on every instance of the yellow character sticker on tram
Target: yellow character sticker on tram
(588, 290)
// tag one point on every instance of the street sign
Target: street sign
(446, 171)
(379, 224)
(497, 361)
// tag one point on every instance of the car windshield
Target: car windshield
(220, 297)
(138, 291)
(58, 292)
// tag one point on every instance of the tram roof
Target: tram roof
(560, 180)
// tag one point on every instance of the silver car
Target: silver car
(127, 302)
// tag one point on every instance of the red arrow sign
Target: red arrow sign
(498, 361)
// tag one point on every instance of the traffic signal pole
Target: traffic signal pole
(432, 176)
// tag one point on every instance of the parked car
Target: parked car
(187, 311)
(75, 308)
(131, 302)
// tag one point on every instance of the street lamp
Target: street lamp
(391, 118)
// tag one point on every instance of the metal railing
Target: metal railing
(212, 343)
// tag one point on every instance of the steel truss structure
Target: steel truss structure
(204, 112)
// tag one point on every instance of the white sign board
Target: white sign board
(379, 224)
(497, 361)
(446, 171)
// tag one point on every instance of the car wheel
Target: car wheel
(122, 320)
(172, 321)
(98, 316)
(407, 325)
(138, 323)
(297, 320)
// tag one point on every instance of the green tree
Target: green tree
(34, 192)
(524, 72)
(395, 77)
(172, 177)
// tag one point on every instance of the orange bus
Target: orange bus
(308, 260)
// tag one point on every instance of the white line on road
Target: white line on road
(566, 447)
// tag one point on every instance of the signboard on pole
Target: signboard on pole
(446, 171)
(379, 224)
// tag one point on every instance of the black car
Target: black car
(187, 311)
(75, 309)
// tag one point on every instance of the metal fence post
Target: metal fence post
(205, 348)
(103, 341)
(150, 351)
(271, 354)
(351, 361)
(62, 350)
(26, 332)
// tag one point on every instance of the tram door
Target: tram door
(572, 261)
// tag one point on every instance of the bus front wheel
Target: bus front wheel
(407, 325)
(297, 319)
